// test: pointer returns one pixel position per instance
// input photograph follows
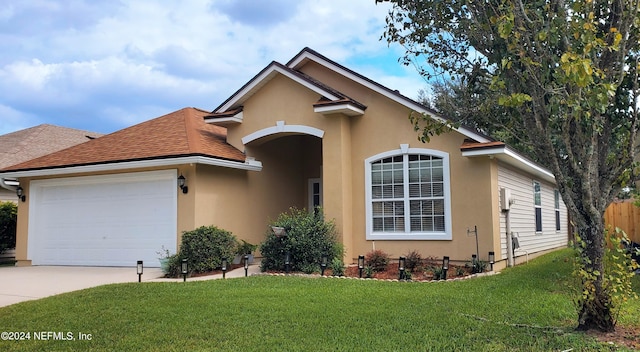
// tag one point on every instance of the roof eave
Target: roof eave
(225, 121)
(345, 108)
(509, 156)
(308, 54)
(250, 165)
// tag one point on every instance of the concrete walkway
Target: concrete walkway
(18, 284)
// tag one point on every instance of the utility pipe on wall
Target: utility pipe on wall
(507, 220)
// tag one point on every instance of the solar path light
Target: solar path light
(139, 269)
(401, 267)
(445, 267)
(360, 264)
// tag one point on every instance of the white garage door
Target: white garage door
(110, 220)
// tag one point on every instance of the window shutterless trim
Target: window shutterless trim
(408, 234)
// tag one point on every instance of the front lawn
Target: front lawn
(523, 309)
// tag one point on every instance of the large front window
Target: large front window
(408, 195)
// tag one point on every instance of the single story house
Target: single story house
(307, 133)
(20, 146)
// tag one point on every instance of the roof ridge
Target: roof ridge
(191, 130)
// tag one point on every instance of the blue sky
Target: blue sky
(103, 65)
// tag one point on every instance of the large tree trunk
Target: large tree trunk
(595, 308)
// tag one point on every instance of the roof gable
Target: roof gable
(178, 134)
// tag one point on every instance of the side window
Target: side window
(537, 199)
(557, 208)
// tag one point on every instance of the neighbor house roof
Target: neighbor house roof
(30, 143)
(180, 134)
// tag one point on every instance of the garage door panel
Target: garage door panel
(103, 220)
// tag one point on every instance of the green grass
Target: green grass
(526, 308)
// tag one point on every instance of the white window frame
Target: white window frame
(408, 235)
(310, 193)
(556, 206)
(536, 207)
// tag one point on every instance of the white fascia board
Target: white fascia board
(509, 156)
(346, 108)
(250, 165)
(265, 77)
(224, 121)
(378, 89)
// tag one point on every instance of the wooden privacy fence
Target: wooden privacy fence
(626, 216)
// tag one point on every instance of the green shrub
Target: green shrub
(310, 268)
(8, 221)
(377, 260)
(438, 273)
(308, 238)
(413, 261)
(246, 248)
(337, 267)
(204, 249)
(368, 272)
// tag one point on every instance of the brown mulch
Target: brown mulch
(626, 336)
(392, 273)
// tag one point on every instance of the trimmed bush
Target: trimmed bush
(377, 260)
(337, 267)
(308, 238)
(204, 249)
(8, 221)
(413, 261)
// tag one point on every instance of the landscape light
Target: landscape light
(287, 262)
(360, 264)
(139, 269)
(401, 267)
(246, 265)
(323, 263)
(445, 267)
(492, 259)
(185, 269)
(224, 267)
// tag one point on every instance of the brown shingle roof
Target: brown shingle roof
(20, 146)
(180, 133)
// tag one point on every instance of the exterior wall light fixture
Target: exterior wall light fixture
(182, 183)
(20, 194)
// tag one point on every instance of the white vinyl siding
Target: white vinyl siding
(522, 213)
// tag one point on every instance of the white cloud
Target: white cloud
(124, 62)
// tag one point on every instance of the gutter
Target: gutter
(11, 187)
(250, 165)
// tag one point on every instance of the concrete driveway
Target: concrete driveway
(19, 284)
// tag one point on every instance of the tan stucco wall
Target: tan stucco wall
(244, 202)
(347, 142)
